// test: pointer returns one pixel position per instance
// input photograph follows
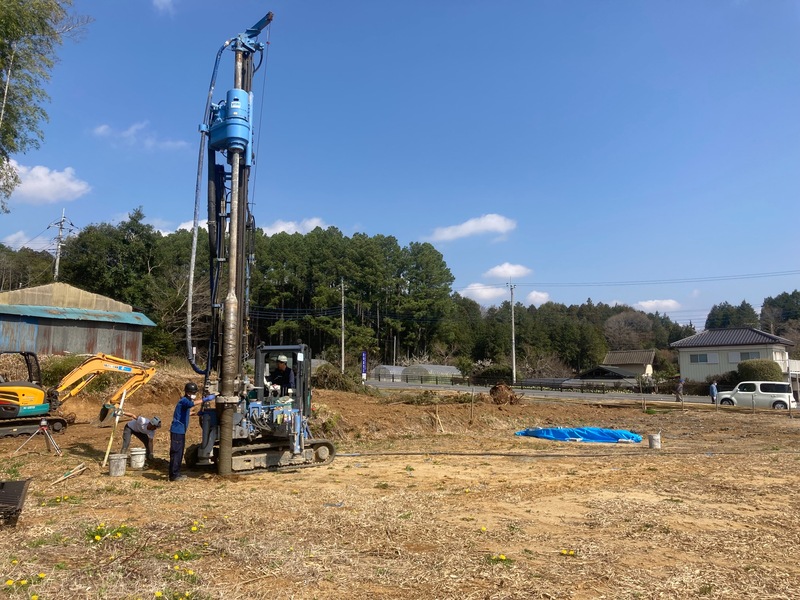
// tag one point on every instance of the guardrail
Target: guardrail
(537, 384)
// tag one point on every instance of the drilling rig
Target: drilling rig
(247, 424)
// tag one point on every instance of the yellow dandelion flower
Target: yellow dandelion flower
(175, 556)
(177, 568)
(58, 499)
(159, 594)
(23, 582)
(101, 525)
(14, 561)
(502, 557)
(9, 582)
(483, 528)
(466, 491)
(43, 503)
(42, 575)
(35, 597)
(194, 522)
(190, 572)
(97, 538)
(66, 497)
(119, 534)
(194, 528)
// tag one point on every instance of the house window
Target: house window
(735, 357)
(711, 358)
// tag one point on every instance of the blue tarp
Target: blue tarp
(582, 434)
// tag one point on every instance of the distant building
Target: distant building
(637, 362)
(430, 374)
(62, 319)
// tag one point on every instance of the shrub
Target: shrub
(495, 374)
(760, 370)
(328, 377)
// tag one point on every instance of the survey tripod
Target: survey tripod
(43, 429)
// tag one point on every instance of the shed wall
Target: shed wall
(57, 336)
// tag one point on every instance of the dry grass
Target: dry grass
(473, 513)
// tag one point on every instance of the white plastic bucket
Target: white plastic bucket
(137, 458)
(116, 464)
(654, 439)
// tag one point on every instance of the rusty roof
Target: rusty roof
(733, 336)
(76, 314)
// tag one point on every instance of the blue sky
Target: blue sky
(634, 152)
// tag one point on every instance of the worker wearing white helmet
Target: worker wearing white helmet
(282, 377)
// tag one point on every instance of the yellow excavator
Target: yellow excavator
(24, 403)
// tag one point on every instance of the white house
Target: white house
(717, 351)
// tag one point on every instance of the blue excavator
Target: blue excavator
(248, 423)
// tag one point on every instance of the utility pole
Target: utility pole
(513, 340)
(59, 241)
(342, 325)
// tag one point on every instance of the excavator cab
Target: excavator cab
(21, 393)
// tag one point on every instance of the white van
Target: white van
(764, 394)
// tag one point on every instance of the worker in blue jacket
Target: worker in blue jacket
(177, 431)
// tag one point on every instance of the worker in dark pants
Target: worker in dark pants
(177, 431)
(143, 428)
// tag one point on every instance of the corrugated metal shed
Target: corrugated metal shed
(78, 325)
(734, 336)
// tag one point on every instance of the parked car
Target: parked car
(764, 394)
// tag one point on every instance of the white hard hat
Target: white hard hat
(282, 358)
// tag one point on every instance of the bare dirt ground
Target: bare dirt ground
(422, 502)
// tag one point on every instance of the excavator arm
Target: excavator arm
(82, 375)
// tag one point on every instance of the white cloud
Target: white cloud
(537, 298)
(167, 6)
(40, 185)
(303, 226)
(138, 134)
(508, 271)
(189, 225)
(484, 294)
(20, 239)
(491, 223)
(658, 305)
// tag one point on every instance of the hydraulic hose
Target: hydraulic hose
(197, 191)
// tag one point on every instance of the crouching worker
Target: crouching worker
(144, 429)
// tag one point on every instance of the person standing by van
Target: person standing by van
(712, 391)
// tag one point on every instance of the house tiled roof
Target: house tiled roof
(734, 336)
(629, 357)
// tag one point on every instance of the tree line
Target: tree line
(398, 302)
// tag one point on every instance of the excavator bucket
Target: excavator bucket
(106, 416)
